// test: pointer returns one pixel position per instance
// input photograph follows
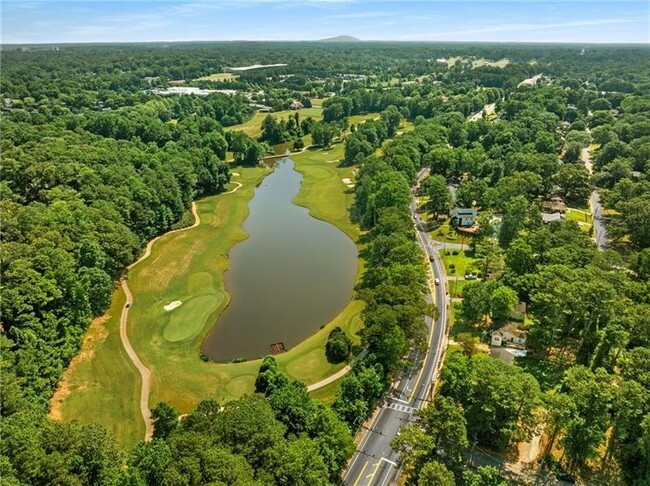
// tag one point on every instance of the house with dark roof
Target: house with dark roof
(463, 217)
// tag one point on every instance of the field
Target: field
(463, 262)
(252, 127)
(188, 266)
(219, 77)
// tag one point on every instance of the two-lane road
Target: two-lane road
(375, 462)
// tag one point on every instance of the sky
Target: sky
(577, 21)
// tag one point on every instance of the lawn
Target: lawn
(219, 77)
(189, 266)
(456, 287)
(463, 262)
(579, 216)
(443, 231)
(327, 394)
(253, 126)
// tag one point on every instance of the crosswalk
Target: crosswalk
(400, 408)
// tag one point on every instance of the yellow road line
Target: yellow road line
(372, 474)
(361, 473)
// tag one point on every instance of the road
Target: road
(597, 212)
(375, 462)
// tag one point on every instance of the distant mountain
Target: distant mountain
(341, 38)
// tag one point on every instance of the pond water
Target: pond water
(291, 276)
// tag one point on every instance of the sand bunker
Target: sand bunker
(235, 174)
(172, 305)
(348, 182)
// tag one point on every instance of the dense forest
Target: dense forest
(95, 164)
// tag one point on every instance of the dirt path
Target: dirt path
(145, 373)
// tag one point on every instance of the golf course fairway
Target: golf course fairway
(101, 385)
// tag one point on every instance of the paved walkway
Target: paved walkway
(339, 374)
(145, 373)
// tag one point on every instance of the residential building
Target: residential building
(464, 217)
(508, 335)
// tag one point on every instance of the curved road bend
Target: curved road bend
(375, 462)
(145, 373)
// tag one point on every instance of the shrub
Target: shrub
(337, 348)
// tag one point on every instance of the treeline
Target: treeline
(394, 283)
(280, 436)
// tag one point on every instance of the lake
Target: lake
(291, 276)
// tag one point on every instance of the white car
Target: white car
(437, 281)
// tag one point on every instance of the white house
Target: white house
(464, 217)
(550, 218)
(508, 335)
(296, 105)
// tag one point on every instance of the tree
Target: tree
(392, 118)
(514, 220)
(572, 152)
(484, 476)
(150, 460)
(585, 431)
(434, 473)
(165, 420)
(337, 347)
(436, 188)
(502, 303)
(490, 257)
(574, 182)
(269, 377)
(440, 429)
(520, 258)
(298, 144)
(299, 463)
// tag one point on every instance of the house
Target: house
(296, 105)
(508, 335)
(554, 206)
(507, 355)
(550, 218)
(463, 217)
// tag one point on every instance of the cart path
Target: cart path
(234, 189)
(330, 379)
(339, 374)
(145, 373)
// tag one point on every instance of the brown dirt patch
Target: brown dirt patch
(96, 335)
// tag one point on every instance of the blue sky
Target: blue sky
(50, 21)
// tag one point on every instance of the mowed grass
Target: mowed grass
(462, 261)
(218, 77)
(253, 126)
(189, 266)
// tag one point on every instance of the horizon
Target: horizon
(505, 22)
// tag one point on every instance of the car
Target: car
(470, 276)
(128, 304)
(437, 281)
(430, 258)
